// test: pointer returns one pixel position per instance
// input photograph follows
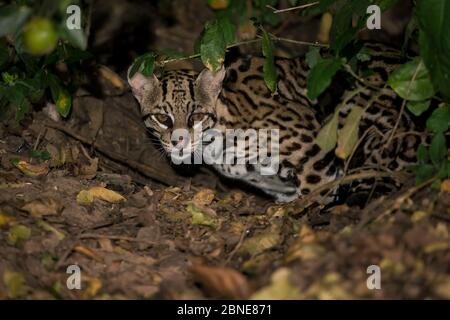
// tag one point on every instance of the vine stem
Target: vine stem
(240, 43)
(303, 43)
(197, 55)
(304, 6)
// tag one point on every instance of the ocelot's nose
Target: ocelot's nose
(176, 142)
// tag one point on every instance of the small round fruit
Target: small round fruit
(40, 36)
(218, 4)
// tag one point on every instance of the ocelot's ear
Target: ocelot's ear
(209, 83)
(143, 86)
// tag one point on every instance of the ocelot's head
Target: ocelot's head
(177, 105)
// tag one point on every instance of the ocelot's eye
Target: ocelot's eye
(197, 117)
(163, 119)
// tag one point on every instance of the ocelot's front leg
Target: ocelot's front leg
(282, 185)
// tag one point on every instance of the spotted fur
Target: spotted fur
(237, 98)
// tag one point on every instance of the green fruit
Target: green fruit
(40, 36)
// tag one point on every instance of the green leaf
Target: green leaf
(44, 155)
(33, 88)
(342, 32)
(4, 53)
(15, 161)
(439, 121)
(29, 61)
(265, 13)
(327, 137)
(63, 102)
(144, 64)
(61, 97)
(313, 56)
(270, 71)
(213, 46)
(436, 184)
(434, 24)
(385, 4)
(438, 149)
(411, 81)
(444, 170)
(16, 95)
(228, 30)
(8, 78)
(14, 283)
(200, 217)
(422, 154)
(418, 107)
(18, 234)
(364, 54)
(35, 154)
(411, 27)
(360, 7)
(321, 75)
(76, 37)
(424, 173)
(348, 135)
(272, 19)
(317, 10)
(72, 54)
(12, 18)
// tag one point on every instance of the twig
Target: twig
(369, 104)
(414, 133)
(238, 245)
(114, 237)
(402, 109)
(363, 136)
(349, 69)
(304, 6)
(38, 140)
(66, 254)
(398, 202)
(303, 43)
(357, 176)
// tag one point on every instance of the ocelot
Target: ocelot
(236, 97)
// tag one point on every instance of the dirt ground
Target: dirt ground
(93, 205)
(93, 191)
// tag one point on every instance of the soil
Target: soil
(110, 203)
(193, 236)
